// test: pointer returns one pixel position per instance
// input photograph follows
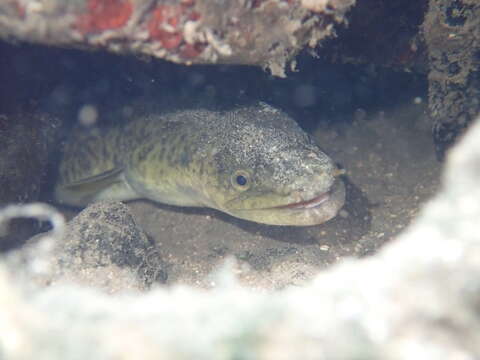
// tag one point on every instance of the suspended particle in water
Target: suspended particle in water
(418, 100)
(88, 115)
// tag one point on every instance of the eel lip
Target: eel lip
(314, 202)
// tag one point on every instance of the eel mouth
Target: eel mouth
(316, 210)
(307, 204)
(316, 201)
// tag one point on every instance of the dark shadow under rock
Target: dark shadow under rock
(27, 140)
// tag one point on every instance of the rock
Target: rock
(102, 247)
(265, 33)
(450, 30)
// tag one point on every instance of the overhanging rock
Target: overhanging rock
(255, 32)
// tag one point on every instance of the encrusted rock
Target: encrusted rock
(257, 32)
(451, 33)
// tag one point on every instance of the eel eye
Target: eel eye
(241, 180)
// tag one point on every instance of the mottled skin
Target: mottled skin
(199, 158)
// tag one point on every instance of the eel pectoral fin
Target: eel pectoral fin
(109, 185)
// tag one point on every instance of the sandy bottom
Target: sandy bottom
(391, 171)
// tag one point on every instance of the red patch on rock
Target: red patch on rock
(190, 51)
(20, 10)
(194, 16)
(164, 25)
(104, 15)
